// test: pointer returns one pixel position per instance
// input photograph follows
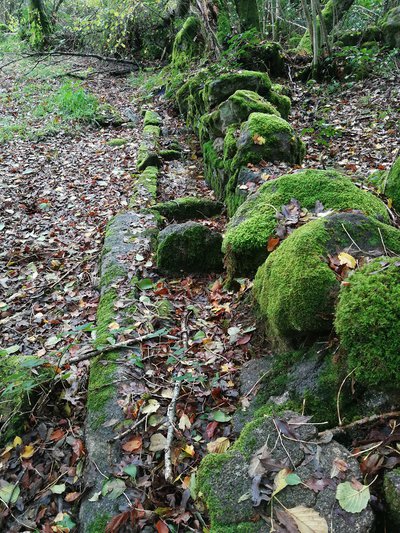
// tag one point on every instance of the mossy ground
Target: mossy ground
(245, 242)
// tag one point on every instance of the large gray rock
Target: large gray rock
(237, 485)
(391, 486)
(189, 247)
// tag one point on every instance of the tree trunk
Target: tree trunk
(39, 16)
(331, 14)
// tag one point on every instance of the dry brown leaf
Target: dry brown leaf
(308, 520)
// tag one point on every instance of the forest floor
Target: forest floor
(62, 179)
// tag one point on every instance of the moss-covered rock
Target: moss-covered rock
(250, 50)
(282, 103)
(269, 138)
(188, 208)
(235, 110)
(227, 481)
(296, 289)
(391, 28)
(367, 322)
(149, 147)
(391, 487)
(151, 118)
(188, 44)
(214, 169)
(246, 238)
(170, 154)
(220, 88)
(392, 185)
(189, 247)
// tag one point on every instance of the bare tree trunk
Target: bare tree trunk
(315, 40)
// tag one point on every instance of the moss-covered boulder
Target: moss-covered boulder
(188, 208)
(188, 44)
(392, 184)
(151, 118)
(250, 50)
(367, 322)
(189, 247)
(270, 138)
(391, 28)
(391, 487)
(237, 485)
(246, 239)
(149, 148)
(297, 287)
(221, 87)
(235, 110)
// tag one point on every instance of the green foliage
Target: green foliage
(71, 102)
(391, 185)
(367, 322)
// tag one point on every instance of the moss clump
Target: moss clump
(214, 171)
(281, 102)
(151, 118)
(145, 187)
(219, 89)
(391, 488)
(188, 208)
(269, 138)
(189, 247)
(113, 272)
(170, 154)
(117, 142)
(235, 110)
(367, 322)
(188, 44)
(391, 28)
(100, 389)
(392, 185)
(99, 524)
(296, 289)
(246, 238)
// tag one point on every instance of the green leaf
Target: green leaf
(353, 497)
(9, 492)
(220, 416)
(293, 479)
(131, 470)
(58, 489)
(200, 335)
(113, 488)
(145, 284)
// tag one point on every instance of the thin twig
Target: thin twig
(338, 395)
(351, 238)
(256, 383)
(382, 241)
(361, 422)
(172, 405)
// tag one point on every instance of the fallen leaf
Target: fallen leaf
(133, 445)
(347, 259)
(219, 445)
(184, 422)
(162, 527)
(151, 406)
(308, 520)
(28, 452)
(273, 243)
(157, 442)
(352, 499)
(258, 139)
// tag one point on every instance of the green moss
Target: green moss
(246, 238)
(392, 185)
(189, 247)
(220, 88)
(214, 171)
(145, 186)
(99, 524)
(113, 272)
(367, 322)
(243, 527)
(151, 131)
(170, 155)
(101, 388)
(211, 466)
(296, 289)
(188, 44)
(151, 118)
(391, 488)
(269, 138)
(188, 208)
(282, 103)
(230, 144)
(117, 142)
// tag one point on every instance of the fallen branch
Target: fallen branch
(340, 430)
(82, 54)
(124, 344)
(172, 406)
